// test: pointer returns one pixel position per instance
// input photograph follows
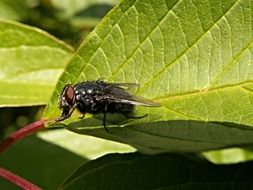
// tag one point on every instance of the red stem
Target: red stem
(24, 184)
(21, 133)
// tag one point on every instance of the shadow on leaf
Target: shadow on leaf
(169, 136)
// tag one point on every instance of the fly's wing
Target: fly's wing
(128, 85)
(132, 87)
(117, 92)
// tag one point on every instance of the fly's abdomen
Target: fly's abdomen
(120, 108)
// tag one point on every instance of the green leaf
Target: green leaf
(71, 8)
(194, 57)
(167, 171)
(169, 136)
(31, 62)
(83, 14)
(83, 145)
(14, 9)
(229, 155)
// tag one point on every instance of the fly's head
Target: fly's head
(67, 100)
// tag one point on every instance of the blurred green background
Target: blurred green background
(39, 161)
(68, 20)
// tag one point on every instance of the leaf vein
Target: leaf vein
(83, 66)
(231, 63)
(140, 44)
(186, 50)
(195, 92)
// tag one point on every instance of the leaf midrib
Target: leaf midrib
(206, 90)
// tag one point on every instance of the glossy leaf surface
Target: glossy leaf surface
(194, 57)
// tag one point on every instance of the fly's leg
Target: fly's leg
(134, 117)
(82, 116)
(65, 114)
(104, 119)
(63, 117)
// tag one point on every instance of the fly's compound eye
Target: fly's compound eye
(69, 94)
(67, 98)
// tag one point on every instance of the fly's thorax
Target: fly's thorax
(89, 91)
(91, 86)
(86, 100)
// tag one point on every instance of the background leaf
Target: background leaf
(30, 63)
(167, 171)
(72, 8)
(194, 57)
(14, 10)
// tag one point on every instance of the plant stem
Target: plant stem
(17, 180)
(21, 133)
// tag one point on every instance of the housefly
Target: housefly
(100, 97)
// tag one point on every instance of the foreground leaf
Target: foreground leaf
(194, 57)
(30, 63)
(167, 171)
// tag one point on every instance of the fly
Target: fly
(100, 97)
